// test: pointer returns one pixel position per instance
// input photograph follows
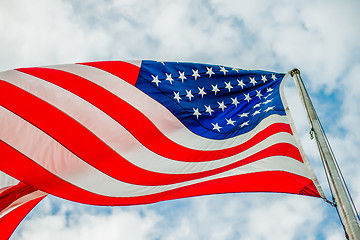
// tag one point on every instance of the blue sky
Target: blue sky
(319, 37)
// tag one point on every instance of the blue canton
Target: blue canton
(213, 101)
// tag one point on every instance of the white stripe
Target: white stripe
(162, 118)
(6, 181)
(51, 155)
(119, 189)
(117, 137)
(151, 162)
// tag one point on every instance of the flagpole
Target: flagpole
(341, 196)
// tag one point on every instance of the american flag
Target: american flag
(125, 133)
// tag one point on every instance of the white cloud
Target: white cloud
(42, 33)
(318, 38)
(231, 216)
(82, 222)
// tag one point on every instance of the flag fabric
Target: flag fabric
(125, 133)
(16, 201)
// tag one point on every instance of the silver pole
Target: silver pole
(346, 210)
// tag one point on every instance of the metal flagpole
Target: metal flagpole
(341, 196)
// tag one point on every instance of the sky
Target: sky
(321, 38)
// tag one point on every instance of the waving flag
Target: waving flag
(124, 133)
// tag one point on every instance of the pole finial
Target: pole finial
(294, 71)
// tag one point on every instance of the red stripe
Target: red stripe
(123, 70)
(137, 124)
(275, 181)
(13, 193)
(10, 221)
(92, 150)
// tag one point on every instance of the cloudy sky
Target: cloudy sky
(319, 37)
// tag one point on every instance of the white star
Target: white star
(258, 94)
(169, 78)
(273, 77)
(196, 113)
(245, 124)
(244, 115)
(235, 101)
(182, 76)
(241, 83)
(257, 105)
(201, 92)
(222, 105)
(256, 113)
(208, 109)
(269, 108)
(268, 96)
(215, 89)
(216, 127)
(229, 122)
(235, 69)
(252, 80)
(228, 86)
(209, 71)
(177, 96)
(269, 89)
(267, 101)
(188, 94)
(247, 97)
(156, 80)
(195, 73)
(222, 69)
(263, 78)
